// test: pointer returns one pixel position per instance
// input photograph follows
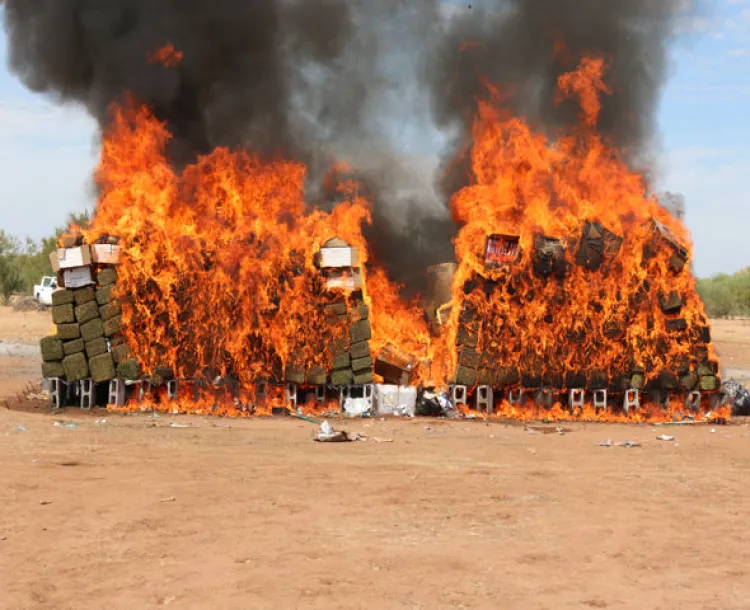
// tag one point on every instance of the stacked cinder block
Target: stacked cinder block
(88, 318)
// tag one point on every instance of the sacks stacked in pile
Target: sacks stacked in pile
(87, 316)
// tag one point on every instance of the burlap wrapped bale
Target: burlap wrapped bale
(363, 377)
(84, 295)
(93, 329)
(96, 347)
(68, 331)
(129, 369)
(63, 314)
(76, 367)
(121, 352)
(343, 377)
(87, 311)
(106, 276)
(113, 326)
(62, 297)
(104, 295)
(73, 347)
(360, 350)
(102, 367)
(53, 369)
(110, 310)
(52, 349)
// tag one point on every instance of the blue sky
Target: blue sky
(48, 152)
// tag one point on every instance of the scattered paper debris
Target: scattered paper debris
(169, 499)
(176, 425)
(665, 437)
(46, 502)
(628, 444)
(327, 434)
(21, 428)
(607, 443)
(101, 421)
(382, 440)
(61, 424)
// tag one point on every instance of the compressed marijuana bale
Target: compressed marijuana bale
(93, 329)
(73, 347)
(63, 314)
(68, 331)
(84, 295)
(316, 376)
(121, 352)
(129, 369)
(106, 276)
(53, 369)
(363, 377)
(52, 349)
(360, 331)
(113, 326)
(96, 347)
(362, 364)
(62, 297)
(76, 367)
(360, 350)
(104, 295)
(110, 310)
(341, 361)
(102, 367)
(87, 311)
(343, 377)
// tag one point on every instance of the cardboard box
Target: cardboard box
(344, 279)
(70, 258)
(77, 277)
(105, 254)
(331, 258)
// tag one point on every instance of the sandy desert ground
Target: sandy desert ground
(133, 512)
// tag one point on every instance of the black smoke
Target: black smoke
(528, 44)
(324, 81)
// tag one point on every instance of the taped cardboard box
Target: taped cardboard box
(77, 278)
(105, 254)
(70, 258)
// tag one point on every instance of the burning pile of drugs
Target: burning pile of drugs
(572, 283)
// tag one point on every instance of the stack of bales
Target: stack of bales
(87, 316)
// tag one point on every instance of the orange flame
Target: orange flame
(167, 55)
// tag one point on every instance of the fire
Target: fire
(568, 274)
(218, 277)
(532, 306)
(167, 55)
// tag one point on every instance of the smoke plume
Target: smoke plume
(528, 44)
(369, 82)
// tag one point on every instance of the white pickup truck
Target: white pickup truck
(43, 291)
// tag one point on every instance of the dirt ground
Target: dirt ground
(135, 512)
